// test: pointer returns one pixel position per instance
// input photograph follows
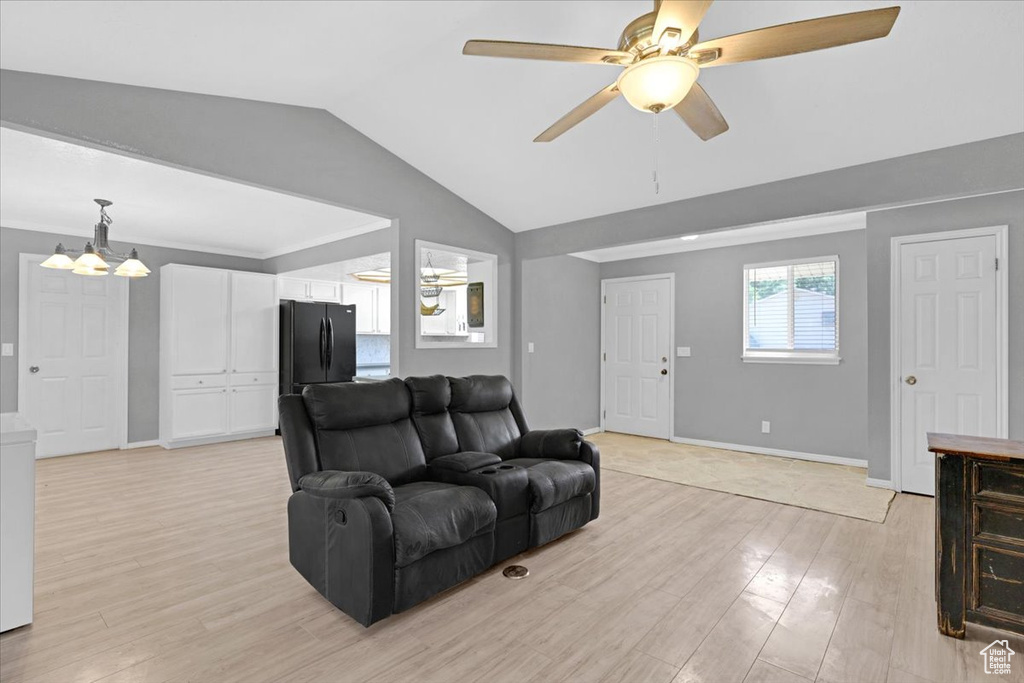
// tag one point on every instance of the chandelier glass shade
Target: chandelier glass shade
(657, 83)
(95, 259)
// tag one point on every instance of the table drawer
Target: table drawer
(998, 482)
(197, 381)
(243, 379)
(999, 523)
(999, 582)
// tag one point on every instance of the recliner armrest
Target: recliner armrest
(339, 484)
(465, 461)
(560, 444)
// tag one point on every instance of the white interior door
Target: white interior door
(948, 348)
(637, 338)
(72, 359)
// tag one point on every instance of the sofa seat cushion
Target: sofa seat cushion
(553, 482)
(430, 516)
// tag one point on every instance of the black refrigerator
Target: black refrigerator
(318, 344)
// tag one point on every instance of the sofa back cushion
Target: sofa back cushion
(481, 412)
(430, 397)
(366, 428)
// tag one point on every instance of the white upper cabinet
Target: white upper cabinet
(373, 307)
(301, 289)
(199, 312)
(253, 313)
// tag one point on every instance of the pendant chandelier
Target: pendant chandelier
(95, 259)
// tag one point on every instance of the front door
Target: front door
(72, 359)
(947, 362)
(636, 357)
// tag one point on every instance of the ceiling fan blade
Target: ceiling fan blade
(684, 15)
(589, 107)
(557, 53)
(800, 36)
(701, 114)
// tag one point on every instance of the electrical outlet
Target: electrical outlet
(6, 349)
(766, 427)
(682, 351)
(529, 347)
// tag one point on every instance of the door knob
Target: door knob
(34, 369)
(664, 372)
(911, 380)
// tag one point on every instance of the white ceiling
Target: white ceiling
(949, 73)
(49, 185)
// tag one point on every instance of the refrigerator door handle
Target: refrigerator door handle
(323, 341)
(330, 342)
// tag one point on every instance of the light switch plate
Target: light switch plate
(529, 347)
(682, 351)
(6, 349)
(766, 427)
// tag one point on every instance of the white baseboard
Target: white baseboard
(879, 483)
(592, 430)
(140, 444)
(220, 438)
(796, 455)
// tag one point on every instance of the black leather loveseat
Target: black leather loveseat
(405, 488)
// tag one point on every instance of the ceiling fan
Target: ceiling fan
(662, 55)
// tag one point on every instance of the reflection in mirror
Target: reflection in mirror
(457, 295)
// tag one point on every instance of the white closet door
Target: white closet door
(253, 323)
(199, 309)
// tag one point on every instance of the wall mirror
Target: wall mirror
(457, 297)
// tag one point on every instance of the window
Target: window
(789, 311)
(457, 293)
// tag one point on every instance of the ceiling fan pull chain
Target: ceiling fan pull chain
(657, 186)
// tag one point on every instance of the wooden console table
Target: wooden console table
(979, 534)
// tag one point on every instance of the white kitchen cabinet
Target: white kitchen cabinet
(17, 523)
(198, 313)
(197, 413)
(384, 310)
(301, 289)
(223, 385)
(250, 311)
(373, 307)
(253, 407)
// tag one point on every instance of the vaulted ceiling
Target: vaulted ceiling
(949, 73)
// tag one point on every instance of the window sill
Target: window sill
(802, 359)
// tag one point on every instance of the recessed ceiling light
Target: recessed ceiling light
(689, 238)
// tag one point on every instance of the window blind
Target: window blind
(790, 308)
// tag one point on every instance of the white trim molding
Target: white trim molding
(131, 445)
(592, 430)
(777, 452)
(879, 483)
(1000, 232)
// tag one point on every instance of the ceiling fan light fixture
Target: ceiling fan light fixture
(657, 83)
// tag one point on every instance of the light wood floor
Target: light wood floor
(172, 566)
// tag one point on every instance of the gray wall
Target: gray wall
(301, 151)
(977, 212)
(143, 318)
(817, 409)
(367, 244)
(560, 385)
(975, 168)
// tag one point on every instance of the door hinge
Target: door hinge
(604, 413)
(997, 264)
(604, 356)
